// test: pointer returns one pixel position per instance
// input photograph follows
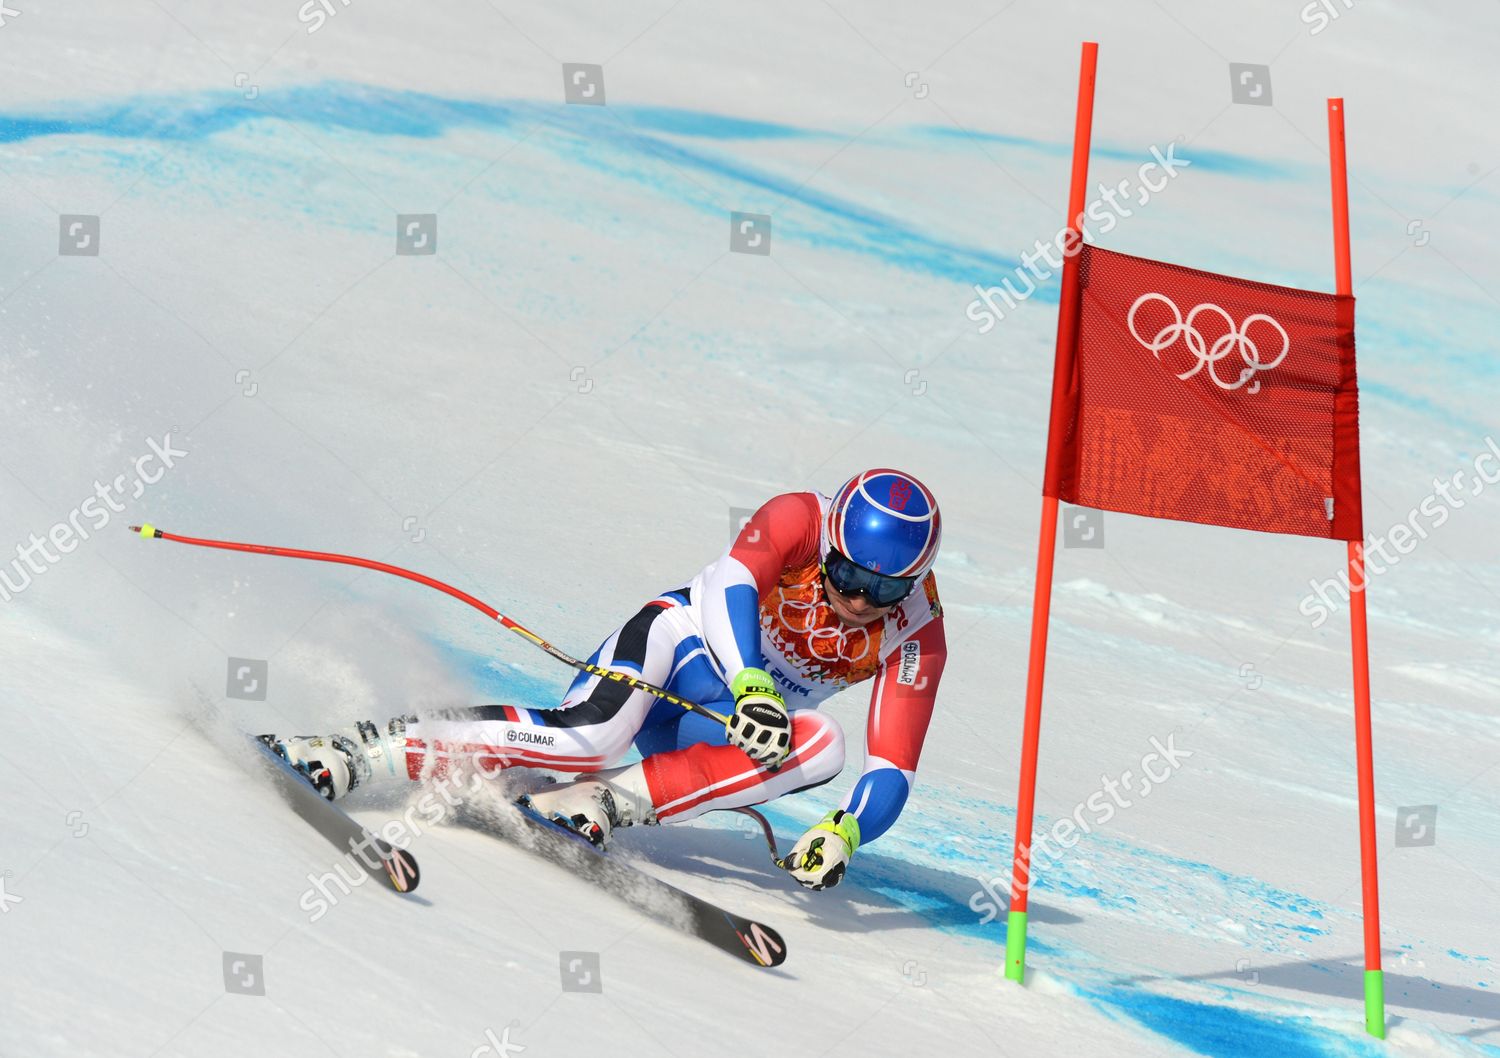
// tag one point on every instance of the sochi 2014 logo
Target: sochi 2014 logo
(1237, 339)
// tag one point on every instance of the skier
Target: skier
(814, 595)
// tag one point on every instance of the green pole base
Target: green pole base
(1015, 945)
(1375, 1003)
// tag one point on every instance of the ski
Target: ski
(754, 942)
(398, 867)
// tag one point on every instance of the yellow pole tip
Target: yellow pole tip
(147, 530)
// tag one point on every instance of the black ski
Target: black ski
(744, 938)
(397, 868)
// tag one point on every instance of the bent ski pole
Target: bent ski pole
(770, 835)
(150, 532)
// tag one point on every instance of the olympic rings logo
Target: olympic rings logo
(1236, 339)
(842, 639)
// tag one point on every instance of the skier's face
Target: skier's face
(854, 610)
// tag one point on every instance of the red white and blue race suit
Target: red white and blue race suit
(759, 605)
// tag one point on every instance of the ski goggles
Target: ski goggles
(850, 578)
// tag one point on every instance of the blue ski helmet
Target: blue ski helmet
(887, 522)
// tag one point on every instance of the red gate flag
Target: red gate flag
(1205, 398)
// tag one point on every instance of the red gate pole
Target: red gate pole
(1041, 605)
(1358, 629)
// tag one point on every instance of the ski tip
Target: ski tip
(763, 945)
(401, 868)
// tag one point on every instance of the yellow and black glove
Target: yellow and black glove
(821, 856)
(760, 724)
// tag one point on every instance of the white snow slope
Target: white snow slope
(559, 411)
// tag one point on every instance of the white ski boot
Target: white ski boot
(336, 764)
(596, 805)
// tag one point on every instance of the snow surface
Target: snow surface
(558, 412)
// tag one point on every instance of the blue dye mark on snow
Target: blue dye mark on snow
(364, 108)
(1456, 954)
(615, 143)
(833, 223)
(1225, 163)
(1230, 1032)
(503, 683)
(933, 882)
(1402, 397)
(632, 143)
(359, 108)
(891, 876)
(1091, 892)
(1132, 872)
(1054, 148)
(1306, 931)
(701, 125)
(629, 143)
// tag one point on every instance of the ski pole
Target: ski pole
(770, 835)
(150, 532)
